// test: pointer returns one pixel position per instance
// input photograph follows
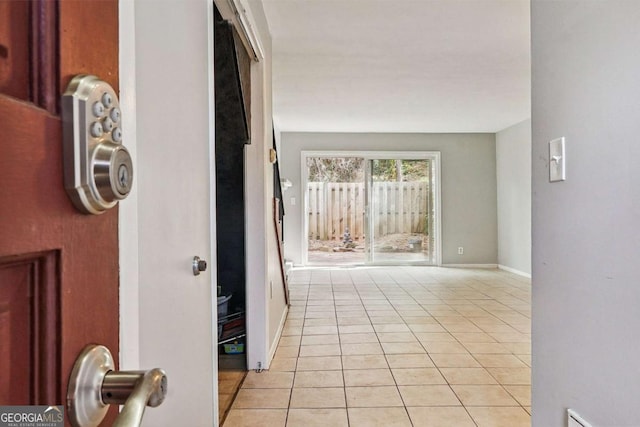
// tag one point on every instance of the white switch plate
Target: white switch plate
(293, 201)
(557, 169)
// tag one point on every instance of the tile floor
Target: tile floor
(397, 346)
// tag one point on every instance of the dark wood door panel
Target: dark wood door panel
(30, 329)
(14, 52)
(66, 261)
(28, 51)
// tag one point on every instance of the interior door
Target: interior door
(58, 267)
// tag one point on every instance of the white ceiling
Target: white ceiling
(400, 65)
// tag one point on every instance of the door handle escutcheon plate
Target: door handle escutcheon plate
(94, 385)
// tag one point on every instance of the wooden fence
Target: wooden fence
(398, 207)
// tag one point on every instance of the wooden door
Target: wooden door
(58, 267)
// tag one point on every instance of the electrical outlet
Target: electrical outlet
(460, 250)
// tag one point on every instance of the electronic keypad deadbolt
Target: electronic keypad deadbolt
(98, 171)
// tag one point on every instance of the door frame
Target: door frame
(434, 156)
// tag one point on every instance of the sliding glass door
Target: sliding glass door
(371, 208)
(400, 198)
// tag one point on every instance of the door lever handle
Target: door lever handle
(94, 385)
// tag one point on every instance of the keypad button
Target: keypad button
(115, 114)
(96, 129)
(107, 124)
(97, 109)
(106, 99)
(117, 134)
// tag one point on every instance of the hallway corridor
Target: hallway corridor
(397, 346)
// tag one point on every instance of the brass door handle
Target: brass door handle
(94, 385)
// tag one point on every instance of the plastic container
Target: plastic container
(223, 305)
(235, 348)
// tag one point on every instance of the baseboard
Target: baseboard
(514, 271)
(471, 265)
(276, 340)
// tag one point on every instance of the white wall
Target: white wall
(513, 171)
(468, 163)
(586, 231)
(168, 48)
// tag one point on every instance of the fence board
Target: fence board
(397, 207)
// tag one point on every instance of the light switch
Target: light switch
(557, 168)
(293, 201)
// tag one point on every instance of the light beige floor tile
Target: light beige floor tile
(462, 327)
(512, 376)
(256, 418)
(418, 376)
(372, 361)
(353, 321)
(319, 330)
(409, 361)
(499, 361)
(320, 322)
(428, 395)
(396, 337)
(473, 337)
(426, 328)
(518, 347)
(268, 379)
(357, 349)
(320, 350)
(293, 323)
(440, 416)
(391, 327)
(255, 398)
(435, 337)
(373, 397)
(316, 418)
(367, 377)
(320, 339)
(355, 329)
(526, 358)
(467, 376)
(511, 337)
(322, 363)
(454, 361)
(326, 397)
(378, 417)
(319, 379)
(522, 393)
(283, 364)
(359, 338)
(403, 348)
(486, 348)
(483, 395)
(291, 330)
(420, 320)
(291, 351)
(444, 347)
(293, 340)
(385, 320)
(500, 417)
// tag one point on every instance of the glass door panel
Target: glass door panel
(335, 206)
(400, 197)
